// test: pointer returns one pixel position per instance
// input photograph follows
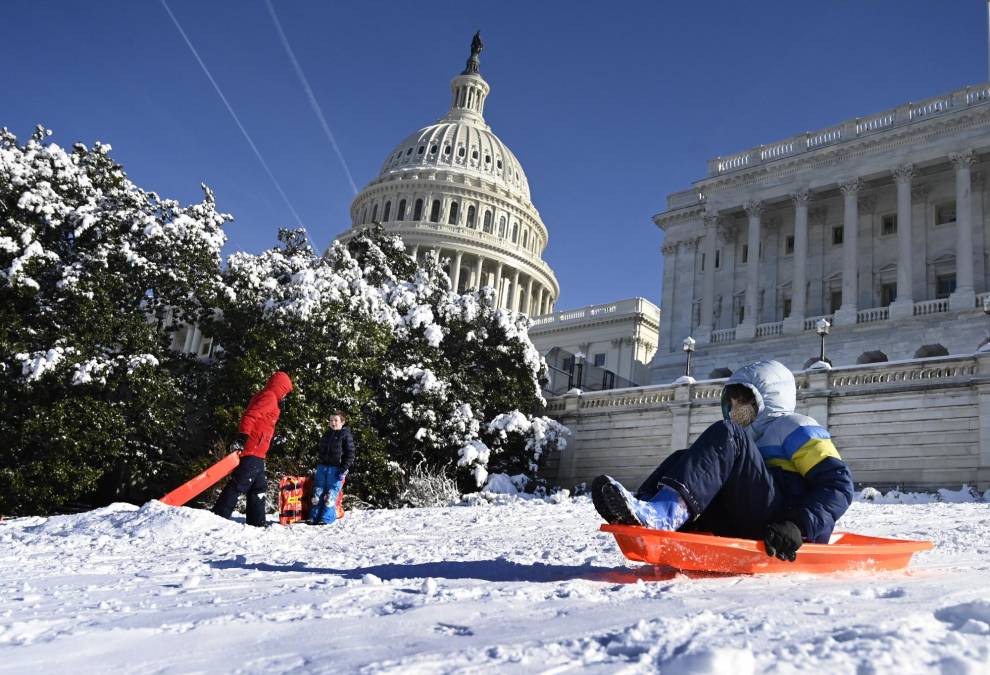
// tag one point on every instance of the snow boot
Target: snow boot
(666, 511)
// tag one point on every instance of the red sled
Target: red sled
(294, 495)
(707, 553)
(208, 478)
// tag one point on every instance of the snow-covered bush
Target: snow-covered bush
(92, 271)
(426, 486)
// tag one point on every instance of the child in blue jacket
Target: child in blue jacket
(764, 472)
(335, 458)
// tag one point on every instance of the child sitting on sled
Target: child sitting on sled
(335, 458)
(763, 472)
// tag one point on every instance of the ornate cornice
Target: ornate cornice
(962, 160)
(903, 173)
(849, 186)
(800, 198)
(754, 209)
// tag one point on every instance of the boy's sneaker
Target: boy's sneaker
(613, 502)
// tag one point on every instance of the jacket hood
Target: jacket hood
(773, 384)
(279, 384)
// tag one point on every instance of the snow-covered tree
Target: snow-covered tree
(93, 272)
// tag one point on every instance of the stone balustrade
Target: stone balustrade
(724, 335)
(768, 329)
(931, 306)
(872, 314)
(849, 130)
(916, 424)
(630, 306)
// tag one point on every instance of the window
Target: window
(474, 154)
(718, 256)
(499, 164)
(789, 244)
(787, 306)
(525, 238)
(418, 210)
(488, 221)
(837, 231)
(401, 215)
(945, 213)
(421, 149)
(488, 159)
(515, 232)
(945, 285)
(470, 216)
(374, 213)
(460, 152)
(745, 254)
(835, 301)
(433, 149)
(452, 218)
(435, 211)
(446, 150)
(408, 152)
(888, 224)
(599, 360)
(501, 227)
(888, 293)
(388, 211)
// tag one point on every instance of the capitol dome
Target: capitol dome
(453, 189)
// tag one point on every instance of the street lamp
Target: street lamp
(688, 346)
(821, 327)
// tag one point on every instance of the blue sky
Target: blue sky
(609, 107)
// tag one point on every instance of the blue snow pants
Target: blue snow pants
(725, 482)
(326, 486)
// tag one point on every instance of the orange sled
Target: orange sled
(708, 553)
(190, 489)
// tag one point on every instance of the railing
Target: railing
(630, 306)
(678, 200)
(931, 306)
(768, 329)
(809, 323)
(860, 126)
(982, 299)
(873, 314)
(724, 335)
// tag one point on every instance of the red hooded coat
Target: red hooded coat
(258, 420)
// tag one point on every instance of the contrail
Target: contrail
(309, 93)
(236, 119)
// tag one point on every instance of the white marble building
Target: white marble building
(454, 190)
(878, 223)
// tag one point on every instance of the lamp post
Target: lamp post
(821, 327)
(688, 346)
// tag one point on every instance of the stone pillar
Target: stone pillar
(415, 253)
(794, 322)
(498, 285)
(964, 296)
(903, 305)
(529, 297)
(514, 301)
(540, 299)
(846, 316)
(669, 252)
(456, 278)
(478, 269)
(703, 333)
(747, 329)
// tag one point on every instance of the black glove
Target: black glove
(782, 539)
(239, 442)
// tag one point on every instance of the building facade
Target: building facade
(878, 224)
(455, 191)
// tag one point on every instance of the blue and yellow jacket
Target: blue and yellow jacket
(806, 467)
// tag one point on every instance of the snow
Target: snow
(510, 584)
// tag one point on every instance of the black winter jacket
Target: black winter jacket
(337, 449)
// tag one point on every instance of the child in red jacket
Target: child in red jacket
(254, 435)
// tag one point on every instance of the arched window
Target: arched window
(526, 239)
(418, 210)
(719, 373)
(435, 211)
(488, 221)
(452, 217)
(927, 351)
(374, 213)
(470, 216)
(401, 215)
(875, 356)
(501, 227)
(515, 232)
(388, 211)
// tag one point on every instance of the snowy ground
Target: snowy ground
(521, 586)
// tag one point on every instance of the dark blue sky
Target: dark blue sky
(609, 106)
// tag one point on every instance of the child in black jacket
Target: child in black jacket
(335, 458)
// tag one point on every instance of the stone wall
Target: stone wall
(916, 425)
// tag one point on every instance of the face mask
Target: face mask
(742, 414)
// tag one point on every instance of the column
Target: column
(477, 272)
(964, 296)
(794, 322)
(747, 329)
(669, 252)
(456, 278)
(846, 316)
(705, 324)
(903, 305)
(415, 251)
(529, 297)
(514, 304)
(498, 285)
(541, 298)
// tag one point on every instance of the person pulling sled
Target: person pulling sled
(335, 458)
(254, 435)
(764, 472)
